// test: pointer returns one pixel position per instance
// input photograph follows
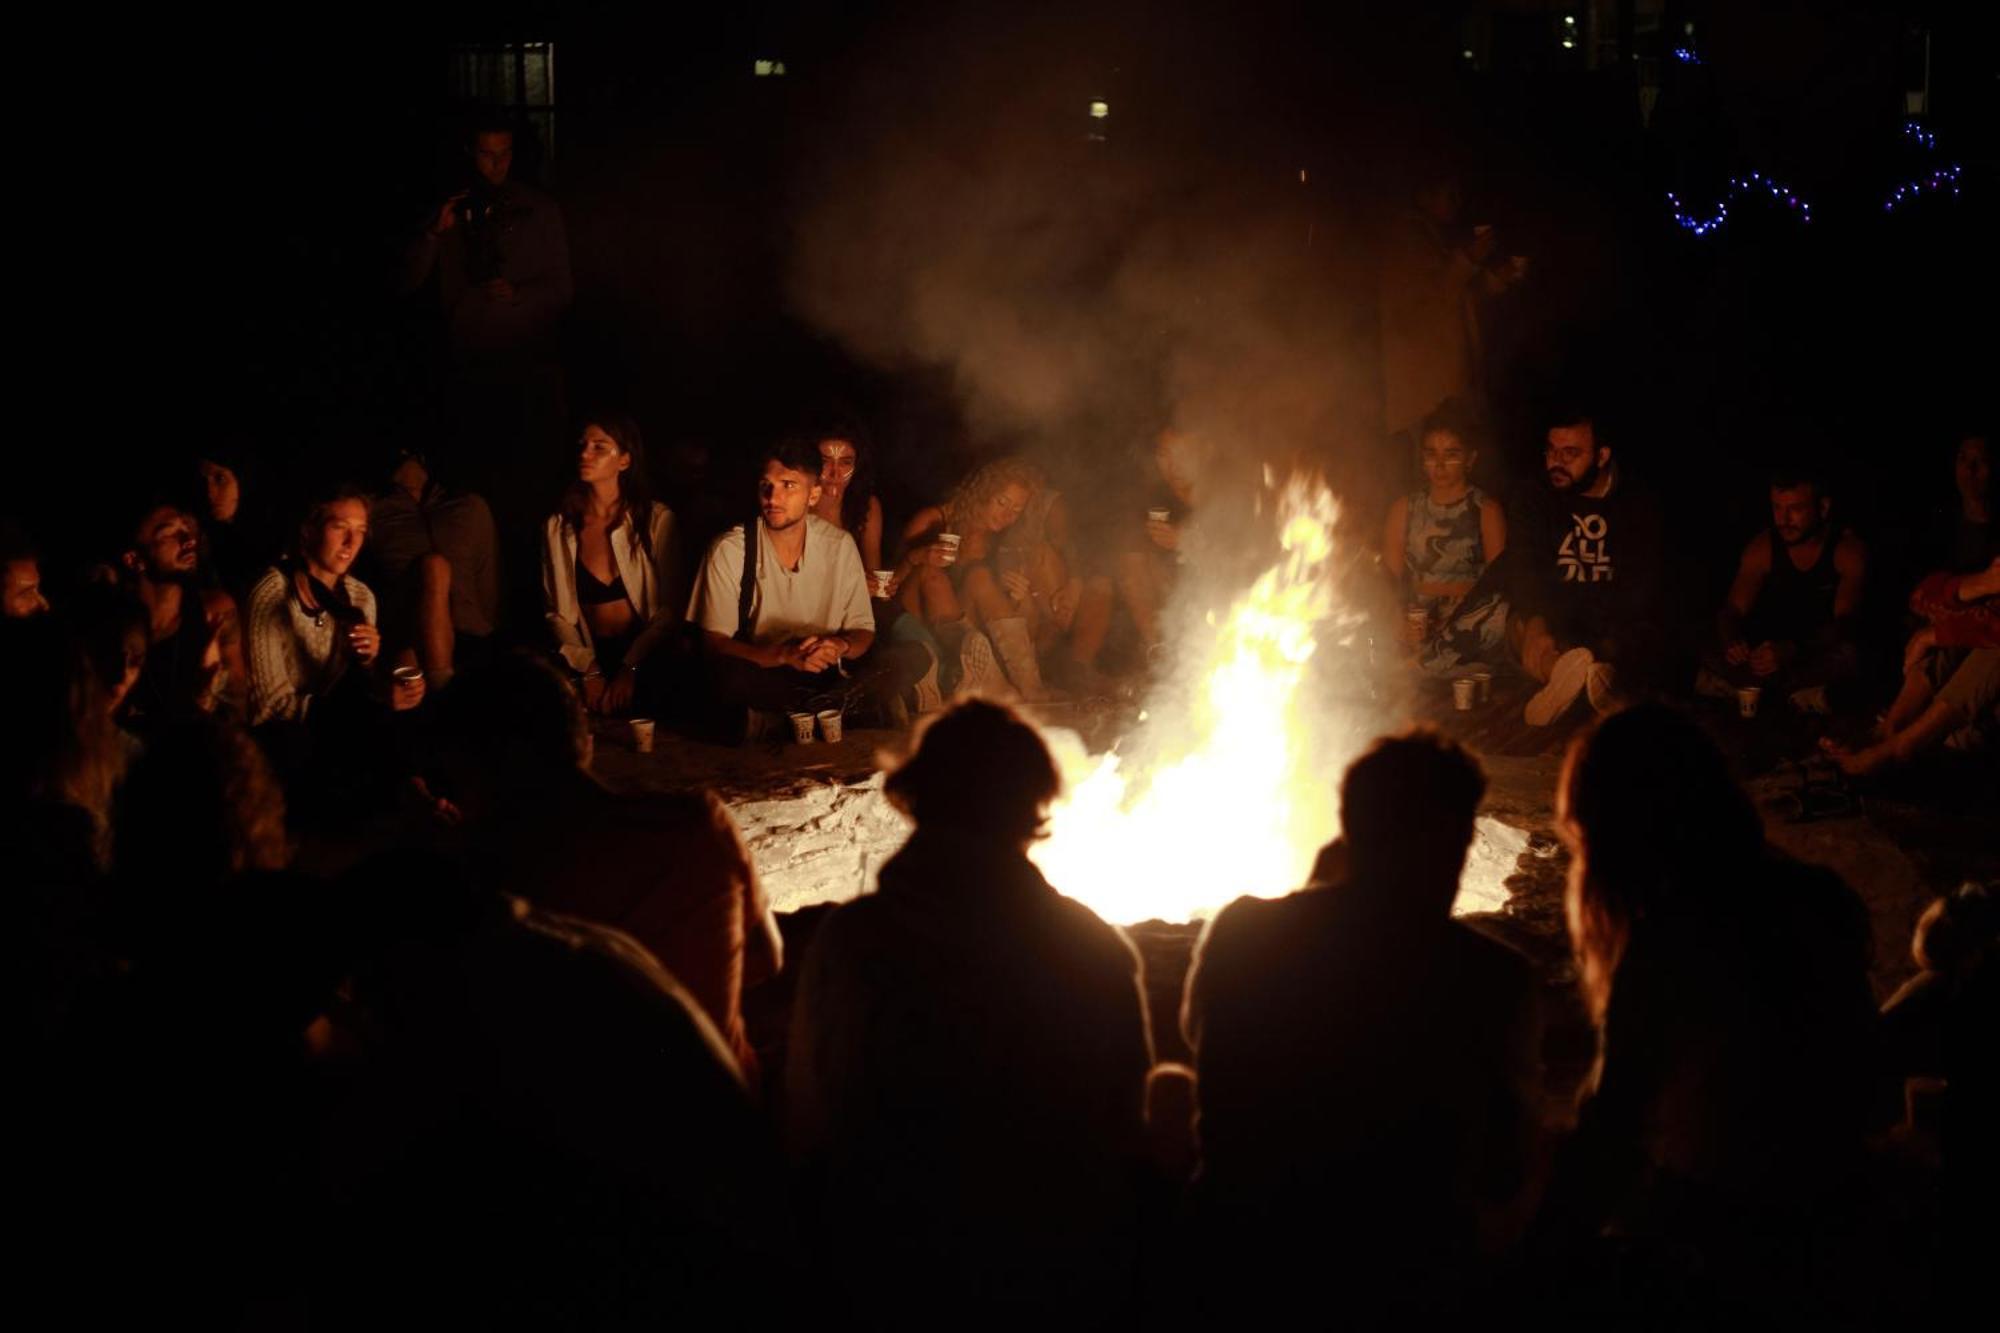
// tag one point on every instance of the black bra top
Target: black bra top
(593, 591)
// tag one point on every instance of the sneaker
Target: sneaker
(980, 669)
(929, 697)
(1566, 681)
(1600, 683)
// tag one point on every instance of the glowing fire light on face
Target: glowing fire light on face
(1242, 791)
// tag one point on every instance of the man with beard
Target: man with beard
(1788, 621)
(194, 653)
(783, 605)
(1584, 553)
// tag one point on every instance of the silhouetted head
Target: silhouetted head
(978, 768)
(1960, 932)
(57, 741)
(513, 724)
(1657, 827)
(1406, 812)
(200, 804)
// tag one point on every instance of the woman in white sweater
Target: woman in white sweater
(312, 624)
(607, 566)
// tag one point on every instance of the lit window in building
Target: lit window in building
(1099, 110)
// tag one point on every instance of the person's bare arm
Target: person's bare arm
(219, 610)
(760, 654)
(1492, 529)
(1392, 536)
(1751, 571)
(763, 946)
(1850, 562)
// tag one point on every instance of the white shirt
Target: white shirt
(646, 586)
(826, 594)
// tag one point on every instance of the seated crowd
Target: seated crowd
(490, 1057)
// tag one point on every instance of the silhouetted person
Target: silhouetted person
(1367, 1066)
(1941, 1025)
(1433, 276)
(668, 869)
(1736, 1077)
(968, 1060)
(543, 1130)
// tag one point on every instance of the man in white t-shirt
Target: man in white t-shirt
(803, 639)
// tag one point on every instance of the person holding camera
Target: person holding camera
(501, 255)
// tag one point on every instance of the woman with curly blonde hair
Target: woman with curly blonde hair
(954, 578)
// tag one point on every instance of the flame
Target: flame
(1241, 791)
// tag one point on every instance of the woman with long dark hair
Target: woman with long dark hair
(1734, 1083)
(847, 496)
(607, 565)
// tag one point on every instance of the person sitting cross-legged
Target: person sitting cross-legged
(1788, 622)
(1951, 677)
(1584, 557)
(787, 624)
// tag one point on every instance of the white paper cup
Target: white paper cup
(829, 725)
(1746, 700)
(642, 734)
(802, 727)
(1464, 693)
(949, 542)
(878, 582)
(407, 675)
(1484, 679)
(1158, 515)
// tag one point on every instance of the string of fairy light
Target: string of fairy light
(1940, 180)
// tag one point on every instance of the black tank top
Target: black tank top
(1796, 604)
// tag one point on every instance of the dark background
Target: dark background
(225, 206)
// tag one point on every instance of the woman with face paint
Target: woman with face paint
(1438, 544)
